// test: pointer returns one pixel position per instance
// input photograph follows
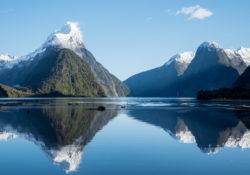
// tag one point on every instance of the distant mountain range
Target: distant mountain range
(211, 67)
(62, 66)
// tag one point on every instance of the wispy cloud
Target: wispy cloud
(149, 18)
(169, 12)
(195, 12)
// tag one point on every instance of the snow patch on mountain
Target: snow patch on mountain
(69, 37)
(209, 45)
(244, 53)
(238, 59)
(6, 60)
(181, 61)
(6, 57)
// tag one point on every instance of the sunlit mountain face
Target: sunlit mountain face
(72, 133)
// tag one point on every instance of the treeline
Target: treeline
(224, 93)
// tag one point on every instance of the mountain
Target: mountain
(6, 91)
(56, 72)
(150, 83)
(211, 67)
(239, 90)
(6, 60)
(244, 80)
(62, 66)
(239, 59)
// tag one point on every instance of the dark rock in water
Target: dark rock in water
(101, 108)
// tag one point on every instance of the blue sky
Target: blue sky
(127, 37)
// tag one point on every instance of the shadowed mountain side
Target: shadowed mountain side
(111, 85)
(210, 68)
(150, 83)
(239, 90)
(244, 80)
(189, 85)
(57, 70)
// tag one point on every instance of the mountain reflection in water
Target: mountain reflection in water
(210, 129)
(62, 128)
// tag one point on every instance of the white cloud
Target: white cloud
(195, 12)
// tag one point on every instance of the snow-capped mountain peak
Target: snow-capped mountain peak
(69, 37)
(6, 57)
(238, 59)
(209, 45)
(185, 57)
(241, 52)
(244, 53)
(181, 61)
(6, 60)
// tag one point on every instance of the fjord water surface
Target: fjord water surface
(132, 136)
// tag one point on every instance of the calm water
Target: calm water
(132, 136)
